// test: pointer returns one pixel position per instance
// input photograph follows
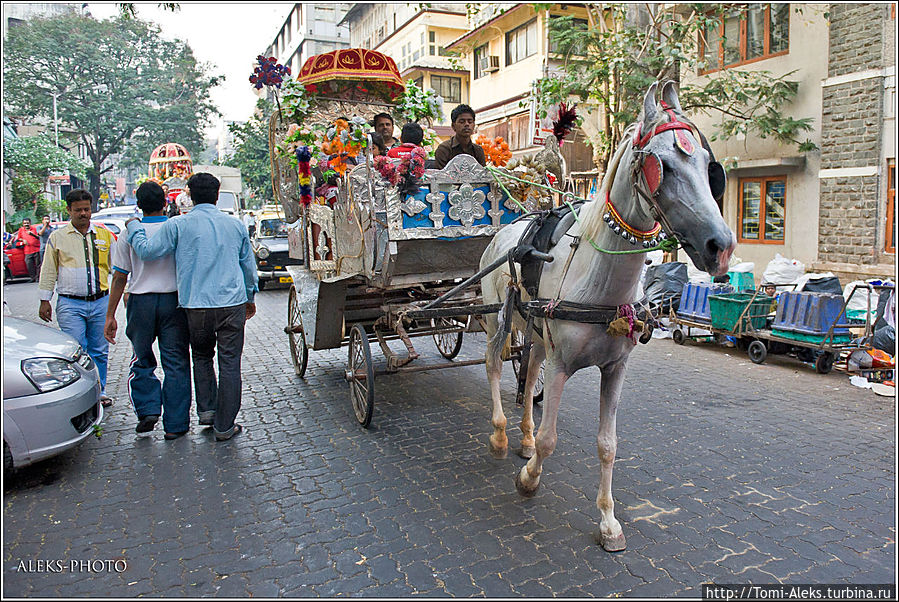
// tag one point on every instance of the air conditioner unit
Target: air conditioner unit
(489, 64)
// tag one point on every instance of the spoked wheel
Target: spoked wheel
(824, 363)
(299, 353)
(757, 352)
(448, 343)
(678, 336)
(361, 376)
(517, 341)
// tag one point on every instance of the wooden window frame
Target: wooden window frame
(888, 244)
(513, 33)
(477, 67)
(763, 180)
(450, 79)
(766, 53)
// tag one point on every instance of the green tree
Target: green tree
(30, 162)
(251, 154)
(120, 86)
(624, 48)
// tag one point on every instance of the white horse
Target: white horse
(663, 158)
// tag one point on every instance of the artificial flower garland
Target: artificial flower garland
(407, 174)
(304, 175)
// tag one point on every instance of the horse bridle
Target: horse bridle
(647, 170)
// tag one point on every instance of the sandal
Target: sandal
(106, 401)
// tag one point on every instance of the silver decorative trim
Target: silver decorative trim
(436, 215)
(466, 205)
(413, 206)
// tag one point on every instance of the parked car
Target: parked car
(112, 227)
(14, 261)
(116, 224)
(271, 250)
(51, 393)
(122, 212)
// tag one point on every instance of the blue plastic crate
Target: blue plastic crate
(694, 301)
(810, 313)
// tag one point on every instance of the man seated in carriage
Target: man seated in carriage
(461, 142)
(383, 124)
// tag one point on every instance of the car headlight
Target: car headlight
(83, 359)
(263, 252)
(49, 373)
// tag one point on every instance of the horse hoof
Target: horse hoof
(524, 491)
(527, 452)
(499, 453)
(611, 544)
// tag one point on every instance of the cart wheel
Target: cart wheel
(361, 376)
(518, 339)
(448, 343)
(824, 363)
(678, 336)
(757, 352)
(299, 353)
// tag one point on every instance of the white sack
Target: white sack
(781, 270)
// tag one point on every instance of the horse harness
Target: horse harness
(547, 228)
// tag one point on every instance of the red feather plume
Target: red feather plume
(566, 121)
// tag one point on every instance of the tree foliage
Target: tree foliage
(251, 154)
(121, 87)
(625, 48)
(30, 162)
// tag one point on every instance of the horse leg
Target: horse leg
(499, 443)
(528, 479)
(528, 444)
(611, 538)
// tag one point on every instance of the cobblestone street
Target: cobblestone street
(727, 471)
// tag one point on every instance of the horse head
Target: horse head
(678, 180)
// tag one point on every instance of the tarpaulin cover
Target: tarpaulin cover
(664, 283)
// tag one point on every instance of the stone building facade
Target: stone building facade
(858, 144)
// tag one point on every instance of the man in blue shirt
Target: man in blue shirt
(217, 283)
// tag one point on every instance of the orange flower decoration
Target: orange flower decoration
(496, 150)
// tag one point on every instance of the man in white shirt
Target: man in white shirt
(153, 315)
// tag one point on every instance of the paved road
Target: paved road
(727, 472)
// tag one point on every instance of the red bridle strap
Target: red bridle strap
(673, 124)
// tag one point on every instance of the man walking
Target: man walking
(153, 315)
(77, 262)
(217, 283)
(44, 233)
(28, 235)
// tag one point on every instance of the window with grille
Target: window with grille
(432, 43)
(890, 238)
(521, 42)
(450, 88)
(763, 204)
(746, 33)
(479, 53)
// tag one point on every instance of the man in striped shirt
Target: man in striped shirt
(77, 263)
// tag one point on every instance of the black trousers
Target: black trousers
(33, 263)
(220, 328)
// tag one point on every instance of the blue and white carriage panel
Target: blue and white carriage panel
(461, 200)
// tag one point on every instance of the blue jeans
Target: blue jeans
(157, 317)
(84, 320)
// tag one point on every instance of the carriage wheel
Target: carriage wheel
(678, 336)
(824, 363)
(448, 343)
(518, 340)
(757, 352)
(361, 376)
(299, 353)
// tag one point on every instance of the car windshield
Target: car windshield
(272, 227)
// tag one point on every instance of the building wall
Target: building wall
(756, 157)
(857, 112)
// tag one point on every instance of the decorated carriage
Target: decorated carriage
(170, 164)
(380, 239)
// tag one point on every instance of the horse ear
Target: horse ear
(650, 109)
(669, 95)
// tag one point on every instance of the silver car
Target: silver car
(51, 393)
